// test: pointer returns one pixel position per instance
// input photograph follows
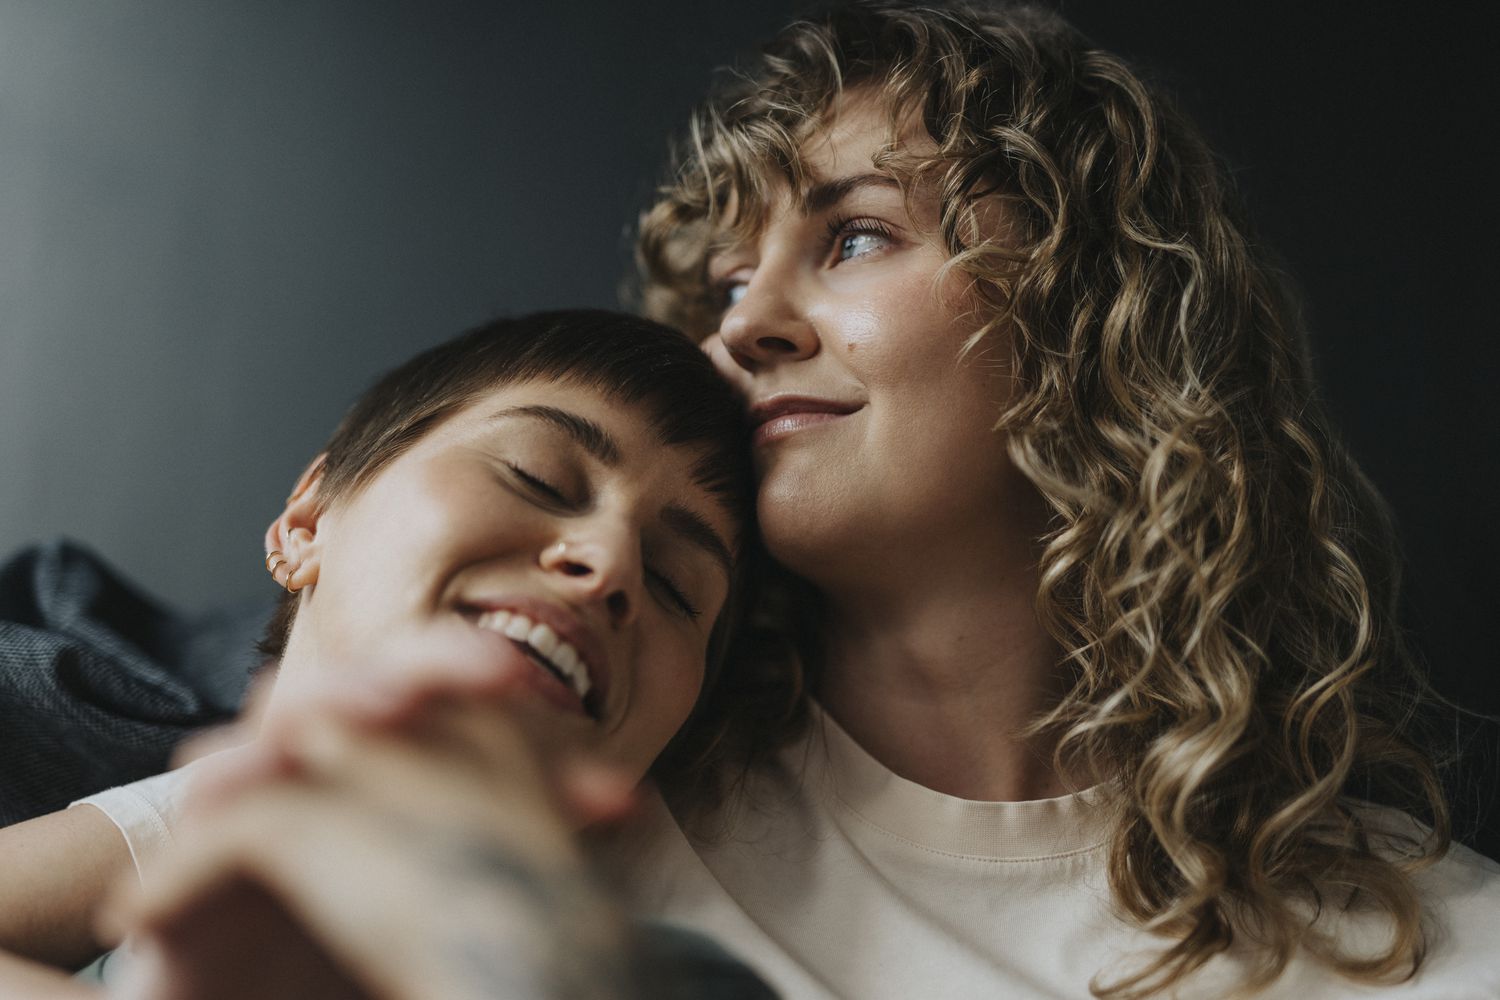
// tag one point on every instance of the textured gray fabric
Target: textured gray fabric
(98, 682)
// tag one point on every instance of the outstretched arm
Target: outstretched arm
(21, 978)
(57, 869)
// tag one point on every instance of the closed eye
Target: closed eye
(668, 592)
(539, 486)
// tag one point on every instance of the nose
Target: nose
(766, 327)
(600, 571)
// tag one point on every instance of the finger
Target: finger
(211, 741)
(508, 795)
(413, 669)
(314, 853)
(352, 878)
(227, 774)
(217, 949)
(594, 793)
(392, 698)
(491, 738)
(484, 732)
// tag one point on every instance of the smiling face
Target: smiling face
(543, 529)
(844, 331)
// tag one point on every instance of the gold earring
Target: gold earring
(277, 560)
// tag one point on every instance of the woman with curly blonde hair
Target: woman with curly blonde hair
(1090, 680)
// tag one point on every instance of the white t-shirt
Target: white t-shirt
(144, 812)
(841, 879)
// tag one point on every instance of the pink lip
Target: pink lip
(778, 416)
(568, 628)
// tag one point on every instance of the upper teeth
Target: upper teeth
(546, 642)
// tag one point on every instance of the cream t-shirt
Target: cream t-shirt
(144, 812)
(841, 879)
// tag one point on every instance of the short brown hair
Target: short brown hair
(632, 360)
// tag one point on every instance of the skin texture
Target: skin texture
(906, 513)
(57, 867)
(386, 634)
(23, 979)
(863, 316)
(473, 515)
(322, 855)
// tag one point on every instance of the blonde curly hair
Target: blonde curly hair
(1220, 575)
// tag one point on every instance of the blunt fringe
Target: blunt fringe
(631, 360)
(1220, 575)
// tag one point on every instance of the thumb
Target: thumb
(592, 792)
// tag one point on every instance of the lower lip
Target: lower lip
(790, 423)
(537, 677)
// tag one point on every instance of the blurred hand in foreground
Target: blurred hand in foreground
(404, 844)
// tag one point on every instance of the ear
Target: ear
(295, 532)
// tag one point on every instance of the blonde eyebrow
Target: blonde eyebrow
(818, 198)
(826, 194)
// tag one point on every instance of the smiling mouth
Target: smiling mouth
(544, 648)
(779, 416)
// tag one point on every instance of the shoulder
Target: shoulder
(1458, 880)
(1460, 893)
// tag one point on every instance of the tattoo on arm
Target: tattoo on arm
(516, 929)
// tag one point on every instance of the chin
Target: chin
(808, 546)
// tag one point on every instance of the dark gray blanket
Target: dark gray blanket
(99, 682)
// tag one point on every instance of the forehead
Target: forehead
(619, 436)
(860, 128)
(860, 133)
(629, 426)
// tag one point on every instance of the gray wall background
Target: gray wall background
(218, 221)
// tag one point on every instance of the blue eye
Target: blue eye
(858, 244)
(734, 293)
(853, 238)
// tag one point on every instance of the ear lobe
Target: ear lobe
(295, 533)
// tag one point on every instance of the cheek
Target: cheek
(671, 677)
(904, 334)
(676, 687)
(862, 329)
(392, 558)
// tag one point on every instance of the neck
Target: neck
(938, 677)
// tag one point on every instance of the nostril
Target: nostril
(576, 569)
(776, 345)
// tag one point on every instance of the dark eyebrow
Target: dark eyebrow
(593, 438)
(826, 194)
(697, 531)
